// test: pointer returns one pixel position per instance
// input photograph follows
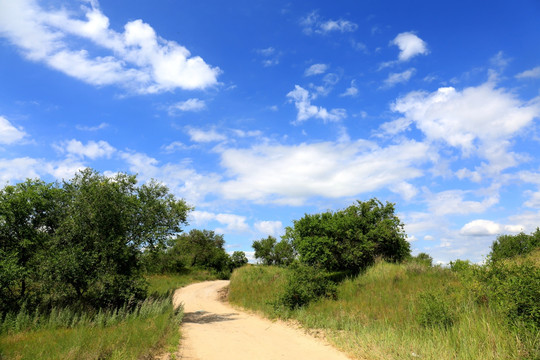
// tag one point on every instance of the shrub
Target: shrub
(434, 310)
(306, 284)
(507, 246)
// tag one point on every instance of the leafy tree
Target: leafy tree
(272, 252)
(507, 246)
(203, 249)
(423, 258)
(28, 219)
(238, 259)
(79, 242)
(350, 239)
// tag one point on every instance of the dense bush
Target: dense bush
(305, 284)
(350, 239)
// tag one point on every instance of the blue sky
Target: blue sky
(257, 112)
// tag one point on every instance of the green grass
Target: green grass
(376, 315)
(152, 329)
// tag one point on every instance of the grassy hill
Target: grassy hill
(394, 311)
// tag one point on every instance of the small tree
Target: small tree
(507, 246)
(202, 249)
(272, 252)
(350, 239)
(238, 259)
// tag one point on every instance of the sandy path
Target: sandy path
(214, 330)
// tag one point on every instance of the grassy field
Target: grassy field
(152, 329)
(379, 314)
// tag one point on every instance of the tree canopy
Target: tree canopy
(79, 241)
(350, 239)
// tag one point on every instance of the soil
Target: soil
(212, 329)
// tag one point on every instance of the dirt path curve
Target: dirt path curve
(214, 330)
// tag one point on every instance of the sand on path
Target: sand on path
(212, 329)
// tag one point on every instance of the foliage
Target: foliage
(238, 259)
(272, 252)
(80, 242)
(350, 239)
(434, 310)
(304, 285)
(422, 258)
(508, 246)
(202, 249)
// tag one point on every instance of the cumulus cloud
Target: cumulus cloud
(198, 135)
(272, 228)
(138, 59)
(316, 69)
(188, 105)
(481, 228)
(477, 120)
(313, 23)
(234, 223)
(398, 78)
(530, 74)
(302, 101)
(410, 45)
(291, 174)
(454, 202)
(19, 169)
(9, 134)
(92, 149)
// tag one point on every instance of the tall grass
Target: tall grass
(135, 331)
(378, 314)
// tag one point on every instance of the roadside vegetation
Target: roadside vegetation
(88, 267)
(391, 305)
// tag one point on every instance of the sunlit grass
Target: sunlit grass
(151, 328)
(376, 314)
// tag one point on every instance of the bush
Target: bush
(434, 310)
(515, 289)
(508, 246)
(306, 284)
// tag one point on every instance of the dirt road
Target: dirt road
(214, 330)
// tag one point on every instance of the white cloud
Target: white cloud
(302, 101)
(316, 69)
(174, 146)
(530, 74)
(352, 90)
(481, 228)
(234, 223)
(9, 134)
(453, 202)
(398, 78)
(138, 60)
(409, 45)
(188, 105)
(198, 135)
(271, 56)
(269, 51)
(92, 149)
(101, 126)
(534, 199)
(272, 228)
(292, 174)
(406, 190)
(477, 120)
(19, 169)
(313, 23)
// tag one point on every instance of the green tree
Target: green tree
(202, 249)
(238, 259)
(272, 252)
(79, 242)
(350, 239)
(106, 223)
(507, 246)
(29, 216)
